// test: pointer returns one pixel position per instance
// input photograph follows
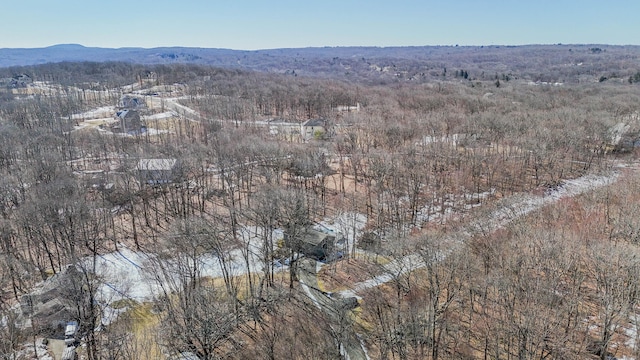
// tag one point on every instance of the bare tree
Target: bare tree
(615, 272)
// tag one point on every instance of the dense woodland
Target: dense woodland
(427, 164)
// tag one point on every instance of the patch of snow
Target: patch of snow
(452, 139)
(161, 116)
(617, 132)
(122, 276)
(148, 131)
(632, 331)
(28, 351)
(98, 113)
(129, 274)
(392, 270)
(545, 83)
(152, 131)
(305, 287)
(468, 201)
(364, 347)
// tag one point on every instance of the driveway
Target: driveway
(336, 309)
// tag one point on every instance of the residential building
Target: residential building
(156, 171)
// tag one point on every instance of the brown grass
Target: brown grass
(344, 274)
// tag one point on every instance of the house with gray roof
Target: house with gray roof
(313, 129)
(313, 243)
(156, 171)
(129, 122)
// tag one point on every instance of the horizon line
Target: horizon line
(314, 47)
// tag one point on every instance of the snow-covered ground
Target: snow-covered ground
(175, 106)
(129, 274)
(132, 275)
(28, 351)
(450, 208)
(161, 116)
(632, 331)
(392, 270)
(148, 131)
(97, 113)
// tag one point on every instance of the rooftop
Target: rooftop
(156, 164)
(313, 237)
(314, 122)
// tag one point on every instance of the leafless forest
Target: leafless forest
(479, 211)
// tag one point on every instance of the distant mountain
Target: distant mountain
(75, 52)
(533, 62)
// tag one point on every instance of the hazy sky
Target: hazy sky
(265, 24)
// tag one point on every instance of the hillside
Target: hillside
(353, 209)
(549, 63)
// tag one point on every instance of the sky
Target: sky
(269, 24)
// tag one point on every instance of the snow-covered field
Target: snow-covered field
(129, 274)
(133, 275)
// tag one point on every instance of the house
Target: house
(348, 108)
(21, 80)
(53, 302)
(128, 123)
(622, 138)
(313, 129)
(313, 243)
(132, 103)
(18, 81)
(283, 128)
(156, 171)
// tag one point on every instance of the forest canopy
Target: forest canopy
(461, 213)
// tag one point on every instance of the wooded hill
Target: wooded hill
(486, 214)
(545, 63)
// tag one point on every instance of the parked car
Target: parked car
(70, 332)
